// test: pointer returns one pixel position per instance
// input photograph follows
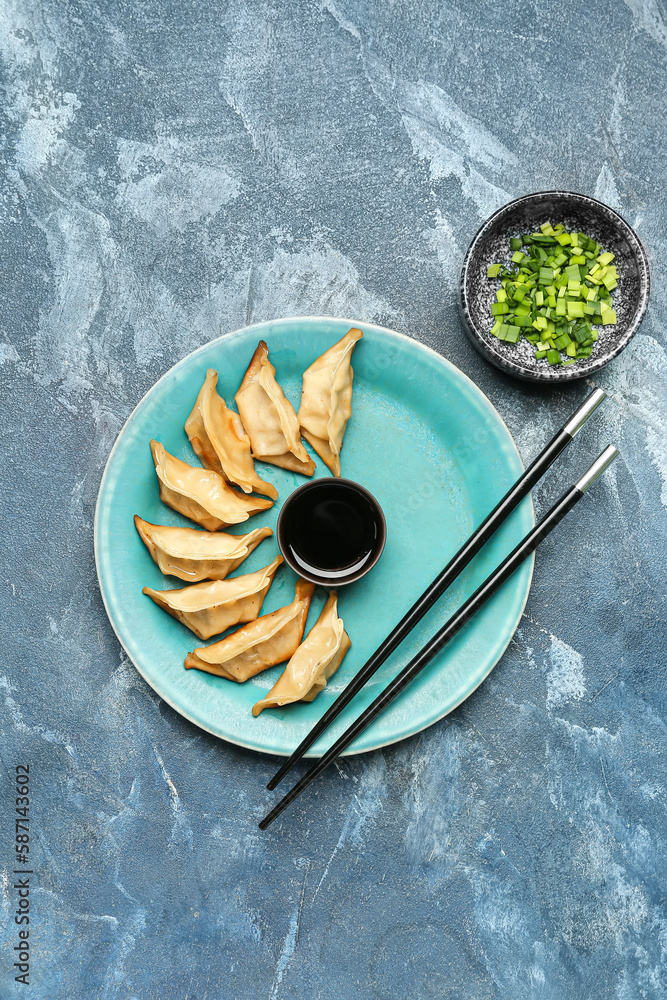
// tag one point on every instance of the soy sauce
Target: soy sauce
(331, 529)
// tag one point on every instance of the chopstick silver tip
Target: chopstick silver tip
(601, 463)
(589, 406)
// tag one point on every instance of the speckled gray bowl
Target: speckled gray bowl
(491, 244)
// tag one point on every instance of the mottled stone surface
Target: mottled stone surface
(175, 171)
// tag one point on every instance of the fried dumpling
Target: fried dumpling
(268, 640)
(216, 433)
(194, 555)
(326, 400)
(210, 608)
(269, 417)
(315, 661)
(200, 494)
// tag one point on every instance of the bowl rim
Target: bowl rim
(515, 369)
(352, 577)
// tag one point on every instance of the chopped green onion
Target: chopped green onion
(555, 286)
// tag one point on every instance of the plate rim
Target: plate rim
(286, 320)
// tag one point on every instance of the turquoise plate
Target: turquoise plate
(432, 449)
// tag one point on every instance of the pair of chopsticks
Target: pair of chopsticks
(469, 549)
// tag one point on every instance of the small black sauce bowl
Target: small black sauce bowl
(491, 244)
(301, 501)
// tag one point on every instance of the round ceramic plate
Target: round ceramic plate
(432, 449)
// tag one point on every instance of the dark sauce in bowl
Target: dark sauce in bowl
(331, 531)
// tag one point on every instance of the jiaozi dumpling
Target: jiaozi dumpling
(326, 400)
(217, 435)
(315, 661)
(194, 555)
(263, 643)
(210, 608)
(269, 417)
(200, 494)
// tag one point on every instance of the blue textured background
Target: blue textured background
(174, 171)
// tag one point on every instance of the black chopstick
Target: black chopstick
(455, 566)
(458, 619)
